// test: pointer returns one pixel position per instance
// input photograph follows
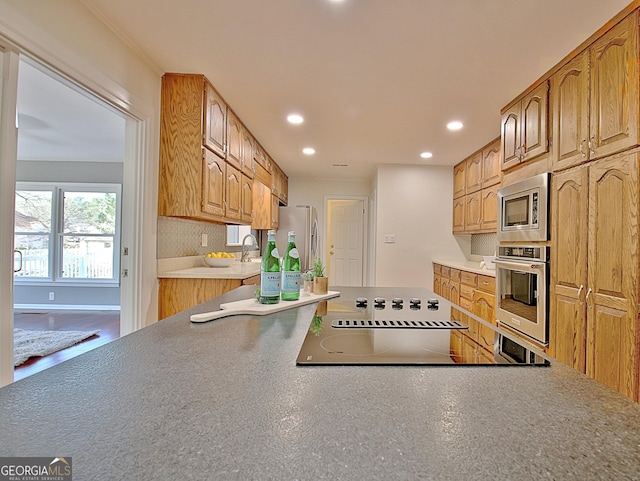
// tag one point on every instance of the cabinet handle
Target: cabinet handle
(579, 291)
(591, 150)
(582, 152)
(586, 298)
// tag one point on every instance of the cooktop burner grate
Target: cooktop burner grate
(395, 324)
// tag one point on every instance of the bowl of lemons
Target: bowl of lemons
(219, 259)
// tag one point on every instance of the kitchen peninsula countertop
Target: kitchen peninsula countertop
(225, 400)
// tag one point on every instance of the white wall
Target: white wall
(414, 205)
(313, 192)
(71, 39)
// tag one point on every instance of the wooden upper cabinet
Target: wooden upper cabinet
(510, 134)
(458, 214)
(614, 89)
(234, 138)
(215, 121)
(491, 173)
(459, 184)
(181, 164)
(472, 212)
(246, 212)
(248, 147)
(474, 173)
(524, 128)
(595, 98)
(233, 193)
(570, 105)
(213, 184)
(489, 209)
(261, 158)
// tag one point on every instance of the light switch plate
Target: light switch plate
(204, 241)
(389, 238)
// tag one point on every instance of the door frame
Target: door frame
(365, 240)
(138, 166)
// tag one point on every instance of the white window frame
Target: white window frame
(57, 233)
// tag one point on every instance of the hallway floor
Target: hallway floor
(65, 320)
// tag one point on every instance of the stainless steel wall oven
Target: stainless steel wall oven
(522, 279)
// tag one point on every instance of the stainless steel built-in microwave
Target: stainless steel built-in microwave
(523, 210)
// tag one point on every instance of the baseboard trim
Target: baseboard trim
(65, 307)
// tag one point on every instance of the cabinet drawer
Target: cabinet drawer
(446, 272)
(487, 284)
(466, 292)
(469, 278)
(466, 303)
(454, 274)
(437, 269)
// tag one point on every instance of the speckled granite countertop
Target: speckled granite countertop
(193, 267)
(470, 266)
(225, 400)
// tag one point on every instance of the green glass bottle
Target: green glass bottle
(270, 272)
(291, 270)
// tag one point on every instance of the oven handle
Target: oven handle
(519, 266)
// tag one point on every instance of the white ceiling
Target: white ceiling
(376, 80)
(59, 122)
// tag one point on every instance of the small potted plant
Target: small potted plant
(320, 281)
(307, 282)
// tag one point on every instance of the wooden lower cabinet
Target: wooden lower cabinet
(593, 315)
(176, 295)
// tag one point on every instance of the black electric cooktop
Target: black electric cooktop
(403, 326)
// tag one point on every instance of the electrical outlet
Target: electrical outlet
(52, 296)
(204, 241)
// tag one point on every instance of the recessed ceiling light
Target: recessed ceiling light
(295, 119)
(308, 151)
(426, 155)
(455, 125)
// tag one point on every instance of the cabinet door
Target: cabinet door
(533, 135)
(459, 179)
(567, 312)
(248, 146)
(234, 137)
(510, 136)
(233, 193)
(612, 304)
(491, 164)
(614, 89)
(247, 199)
(215, 122)
(213, 183)
(484, 306)
(445, 288)
(489, 208)
(437, 285)
(458, 214)
(275, 212)
(570, 106)
(474, 173)
(454, 292)
(261, 206)
(472, 212)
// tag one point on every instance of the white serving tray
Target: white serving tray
(253, 307)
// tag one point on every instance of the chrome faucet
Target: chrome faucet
(245, 254)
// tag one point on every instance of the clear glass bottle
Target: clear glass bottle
(270, 272)
(291, 270)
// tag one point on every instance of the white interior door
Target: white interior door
(346, 242)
